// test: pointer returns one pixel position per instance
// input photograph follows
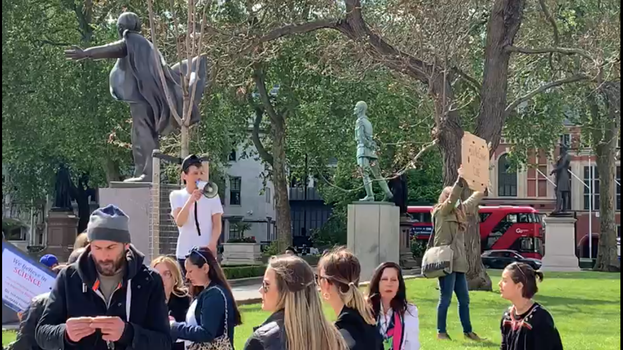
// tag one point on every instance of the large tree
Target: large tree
(436, 43)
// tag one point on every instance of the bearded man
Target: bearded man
(108, 299)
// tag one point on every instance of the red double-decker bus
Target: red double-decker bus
(501, 227)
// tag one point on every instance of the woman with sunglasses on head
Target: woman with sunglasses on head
(213, 314)
(450, 224)
(396, 319)
(175, 292)
(526, 324)
(338, 278)
(297, 321)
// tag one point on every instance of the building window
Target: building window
(234, 190)
(507, 180)
(232, 155)
(565, 139)
(587, 192)
(269, 196)
(234, 232)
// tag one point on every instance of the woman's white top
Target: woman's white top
(191, 319)
(411, 327)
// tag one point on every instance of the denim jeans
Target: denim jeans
(457, 283)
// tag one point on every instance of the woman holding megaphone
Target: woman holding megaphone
(196, 213)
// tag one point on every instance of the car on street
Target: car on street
(499, 259)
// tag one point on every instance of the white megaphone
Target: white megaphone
(209, 189)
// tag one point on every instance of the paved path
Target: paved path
(249, 293)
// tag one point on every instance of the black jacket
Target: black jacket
(210, 316)
(73, 295)
(358, 334)
(26, 334)
(270, 335)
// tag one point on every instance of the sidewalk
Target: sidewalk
(250, 294)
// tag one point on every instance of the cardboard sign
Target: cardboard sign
(475, 160)
(22, 278)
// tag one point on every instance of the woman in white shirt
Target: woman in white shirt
(397, 319)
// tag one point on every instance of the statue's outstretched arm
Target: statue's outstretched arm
(114, 50)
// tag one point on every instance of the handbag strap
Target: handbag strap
(226, 311)
(431, 238)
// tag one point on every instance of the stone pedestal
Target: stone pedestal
(135, 199)
(373, 234)
(242, 254)
(560, 244)
(62, 232)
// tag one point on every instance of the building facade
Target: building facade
(534, 186)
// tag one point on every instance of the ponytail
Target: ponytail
(354, 299)
(539, 275)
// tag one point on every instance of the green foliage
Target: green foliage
(418, 248)
(272, 249)
(234, 272)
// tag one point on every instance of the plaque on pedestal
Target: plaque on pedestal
(373, 234)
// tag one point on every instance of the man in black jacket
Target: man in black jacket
(108, 299)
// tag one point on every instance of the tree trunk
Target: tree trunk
(607, 258)
(185, 127)
(280, 181)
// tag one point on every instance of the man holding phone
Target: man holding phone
(108, 299)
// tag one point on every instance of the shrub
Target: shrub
(243, 240)
(235, 272)
(418, 248)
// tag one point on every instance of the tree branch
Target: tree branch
(475, 84)
(255, 134)
(546, 50)
(293, 29)
(260, 83)
(544, 88)
(552, 21)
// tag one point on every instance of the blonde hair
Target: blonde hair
(306, 327)
(342, 269)
(459, 211)
(81, 241)
(179, 289)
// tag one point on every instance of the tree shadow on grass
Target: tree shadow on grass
(584, 275)
(485, 344)
(553, 301)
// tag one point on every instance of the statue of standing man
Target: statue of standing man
(135, 79)
(366, 154)
(563, 181)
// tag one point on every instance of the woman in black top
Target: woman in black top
(175, 291)
(338, 278)
(526, 324)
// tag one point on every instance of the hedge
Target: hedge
(234, 272)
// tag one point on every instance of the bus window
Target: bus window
(427, 217)
(512, 218)
(484, 216)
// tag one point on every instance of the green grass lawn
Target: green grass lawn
(586, 308)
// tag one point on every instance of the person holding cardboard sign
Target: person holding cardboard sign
(450, 224)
